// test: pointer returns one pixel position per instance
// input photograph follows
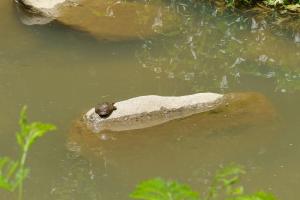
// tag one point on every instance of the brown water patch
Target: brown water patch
(118, 20)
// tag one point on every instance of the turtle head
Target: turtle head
(113, 106)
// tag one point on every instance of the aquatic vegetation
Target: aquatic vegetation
(214, 54)
(225, 185)
(163, 190)
(237, 3)
(13, 173)
(281, 2)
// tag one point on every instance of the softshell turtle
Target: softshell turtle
(105, 109)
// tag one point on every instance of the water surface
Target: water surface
(60, 73)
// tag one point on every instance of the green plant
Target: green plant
(158, 189)
(13, 173)
(273, 3)
(235, 3)
(223, 186)
(225, 179)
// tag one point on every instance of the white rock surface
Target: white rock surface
(43, 4)
(146, 111)
(39, 12)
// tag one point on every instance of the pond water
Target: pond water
(60, 73)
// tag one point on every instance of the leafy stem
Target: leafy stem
(13, 173)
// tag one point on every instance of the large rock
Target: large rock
(230, 113)
(103, 19)
(212, 108)
(147, 111)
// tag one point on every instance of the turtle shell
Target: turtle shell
(105, 109)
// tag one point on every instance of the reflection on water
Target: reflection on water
(60, 73)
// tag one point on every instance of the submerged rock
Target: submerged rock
(112, 20)
(118, 20)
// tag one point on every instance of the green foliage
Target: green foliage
(30, 132)
(224, 186)
(281, 2)
(13, 173)
(236, 3)
(8, 169)
(158, 189)
(225, 179)
(274, 2)
(256, 196)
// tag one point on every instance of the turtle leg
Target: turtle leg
(104, 116)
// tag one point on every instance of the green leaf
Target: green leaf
(30, 132)
(8, 168)
(159, 189)
(21, 175)
(265, 196)
(23, 126)
(256, 196)
(36, 130)
(12, 173)
(231, 170)
(293, 7)
(237, 191)
(23, 118)
(225, 178)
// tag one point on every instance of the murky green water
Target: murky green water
(60, 73)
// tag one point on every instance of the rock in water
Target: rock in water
(238, 114)
(110, 20)
(40, 12)
(146, 111)
(42, 4)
